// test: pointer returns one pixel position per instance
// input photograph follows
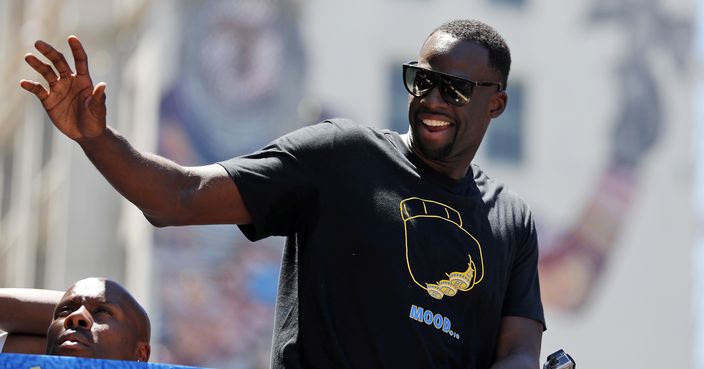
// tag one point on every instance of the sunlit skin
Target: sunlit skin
(98, 318)
(444, 136)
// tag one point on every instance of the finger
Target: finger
(55, 57)
(96, 101)
(79, 55)
(42, 68)
(99, 90)
(36, 88)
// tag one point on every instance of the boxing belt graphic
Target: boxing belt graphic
(438, 217)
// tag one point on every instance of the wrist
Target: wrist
(88, 143)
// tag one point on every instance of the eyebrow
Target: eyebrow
(81, 300)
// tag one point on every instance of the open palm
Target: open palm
(75, 106)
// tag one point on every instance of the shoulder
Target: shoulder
(332, 139)
(342, 133)
(336, 128)
(498, 196)
(351, 128)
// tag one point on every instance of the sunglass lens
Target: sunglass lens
(456, 91)
(417, 81)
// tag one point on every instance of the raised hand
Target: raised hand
(75, 106)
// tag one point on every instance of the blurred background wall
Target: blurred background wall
(600, 137)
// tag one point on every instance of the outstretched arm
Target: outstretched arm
(518, 346)
(167, 193)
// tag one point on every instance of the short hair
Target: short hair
(483, 34)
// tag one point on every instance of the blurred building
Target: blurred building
(597, 138)
(59, 221)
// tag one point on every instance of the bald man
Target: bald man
(94, 318)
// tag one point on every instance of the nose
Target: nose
(433, 98)
(79, 319)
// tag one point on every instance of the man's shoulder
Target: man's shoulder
(496, 192)
(345, 124)
(346, 130)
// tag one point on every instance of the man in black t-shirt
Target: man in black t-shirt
(400, 252)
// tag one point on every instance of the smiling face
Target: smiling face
(97, 318)
(443, 135)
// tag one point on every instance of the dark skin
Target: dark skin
(25, 344)
(450, 147)
(25, 314)
(167, 193)
(98, 318)
(170, 194)
(103, 319)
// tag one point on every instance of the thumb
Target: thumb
(96, 101)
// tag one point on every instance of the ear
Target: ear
(144, 350)
(498, 104)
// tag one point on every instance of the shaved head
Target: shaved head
(99, 318)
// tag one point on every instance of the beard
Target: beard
(435, 154)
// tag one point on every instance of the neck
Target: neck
(454, 170)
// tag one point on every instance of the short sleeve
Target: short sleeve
(278, 183)
(523, 292)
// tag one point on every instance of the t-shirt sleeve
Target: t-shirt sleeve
(278, 183)
(523, 292)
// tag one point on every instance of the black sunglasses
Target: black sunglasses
(454, 90)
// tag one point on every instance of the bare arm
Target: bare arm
(26, 310)
(25, 344)
(518, 346)
(166, 192)
(26, 314)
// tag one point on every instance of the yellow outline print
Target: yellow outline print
(415, 207)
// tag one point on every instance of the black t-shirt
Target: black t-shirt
(387, 264)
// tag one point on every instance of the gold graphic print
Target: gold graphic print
(440, 269)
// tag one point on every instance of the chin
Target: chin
(73, 351)
(435, 153)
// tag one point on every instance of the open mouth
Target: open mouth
(72, 340)
(435, 123)
(71, 343)
(435, 126)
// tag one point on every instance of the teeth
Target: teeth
(435, 123)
